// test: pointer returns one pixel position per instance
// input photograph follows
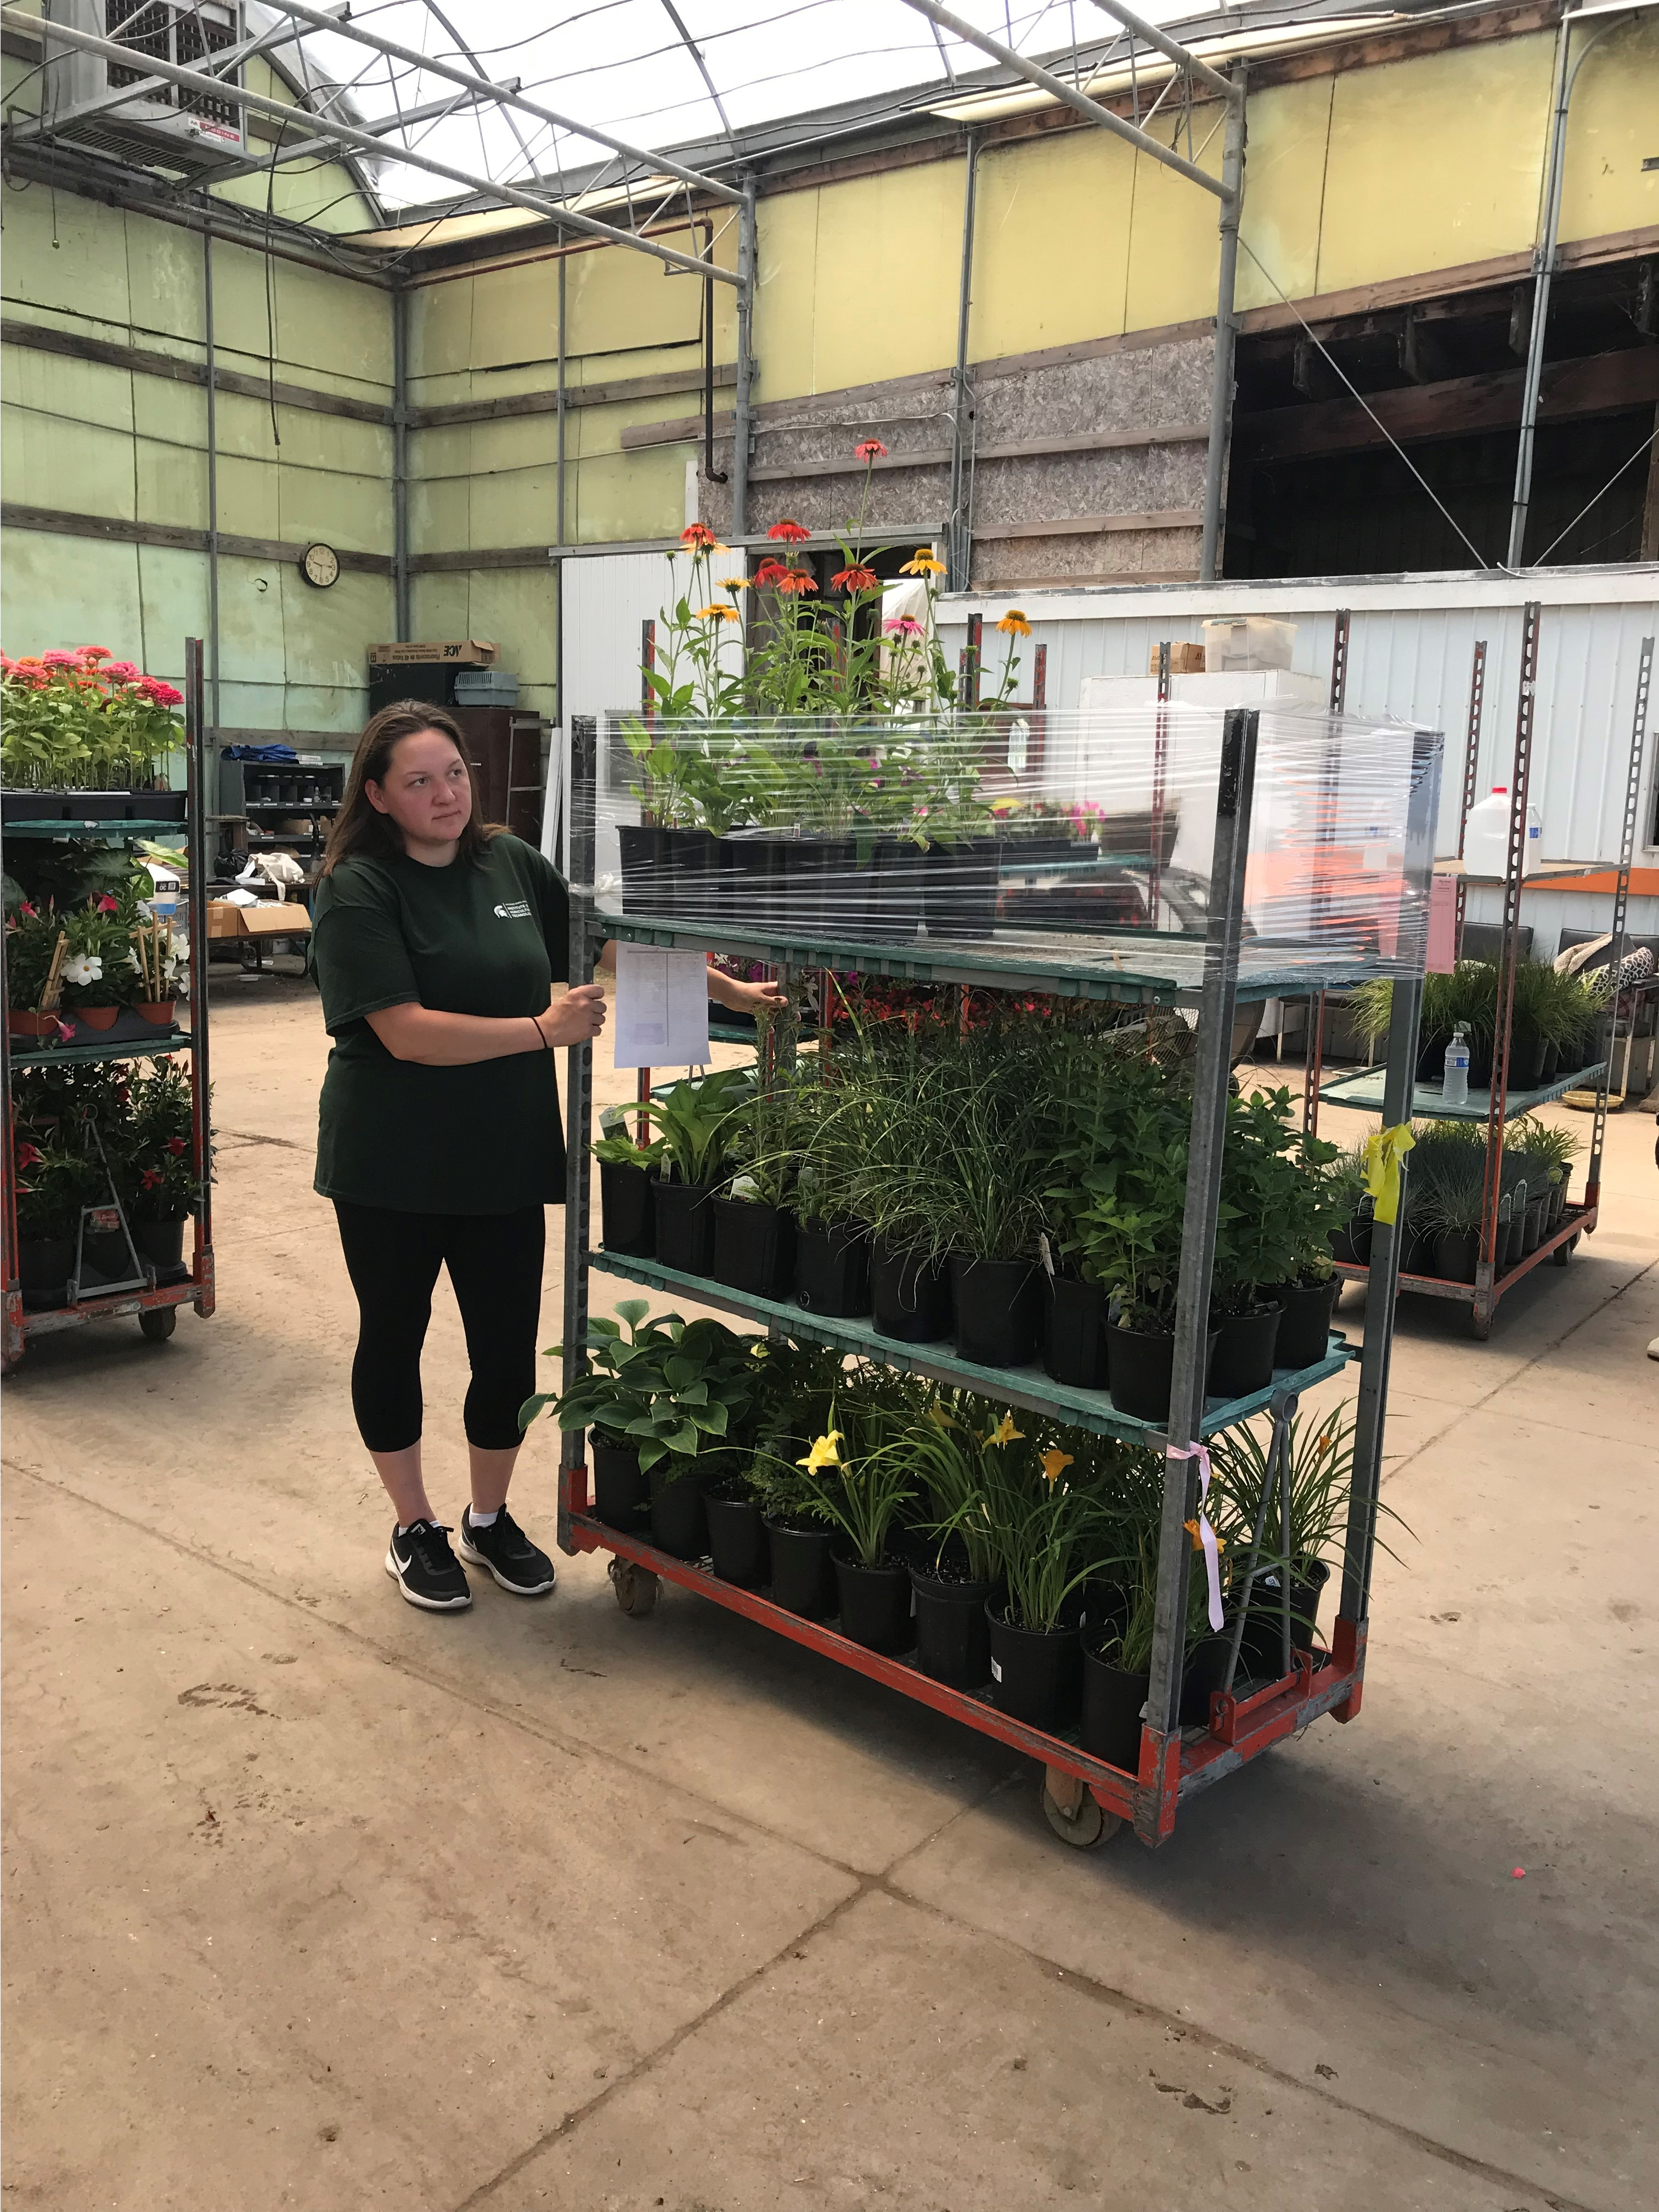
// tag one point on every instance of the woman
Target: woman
(436, 944)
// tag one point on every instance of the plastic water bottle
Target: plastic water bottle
(1455, 1083)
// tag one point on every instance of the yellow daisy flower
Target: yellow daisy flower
(922, 563)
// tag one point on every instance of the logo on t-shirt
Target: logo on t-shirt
(515, 910)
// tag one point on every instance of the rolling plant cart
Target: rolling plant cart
(1083, 1798)
(1497, 1106)
(156, 1304)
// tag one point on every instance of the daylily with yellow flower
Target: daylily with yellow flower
(1004, 1432)
(1193, 1531)
(822, 1453)
(1054, 1464)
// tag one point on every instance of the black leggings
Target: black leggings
(495, 1263)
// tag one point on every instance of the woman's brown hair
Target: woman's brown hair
(359, 827)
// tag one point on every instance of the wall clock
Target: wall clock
(319, 565)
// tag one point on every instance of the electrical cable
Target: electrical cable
(1480, 561)
(1600, 494)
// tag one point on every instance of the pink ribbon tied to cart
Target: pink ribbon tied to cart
(1206, 1535)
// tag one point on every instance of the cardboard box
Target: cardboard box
(459, 652)
(272, 918)
(1184, 660)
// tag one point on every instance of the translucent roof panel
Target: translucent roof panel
(660, 74)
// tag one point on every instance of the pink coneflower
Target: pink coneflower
(904, 626)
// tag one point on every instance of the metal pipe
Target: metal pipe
(1165, 44)
(1543, 272)
(740, 410)
(1057, 88)
(1211, 1068)
(579, 1107)
(1226, 332)
(659, 163)
(958, 549)
(401, 613)
(559, 453)
(212, 478)
(539, 203)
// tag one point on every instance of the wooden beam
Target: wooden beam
(688, 429)
(1602, 384)
(175, 537)
(1320, 308)
(145, 361)
(1085, 526)
(576, 395)
(486, 557)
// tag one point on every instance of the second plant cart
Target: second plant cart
(1205, 976)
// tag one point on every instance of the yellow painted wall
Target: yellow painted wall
(94, 440)
(1616, 127)
(1051, 242)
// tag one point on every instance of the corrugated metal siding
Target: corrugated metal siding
(1415, 662)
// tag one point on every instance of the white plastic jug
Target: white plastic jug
(1485, 840)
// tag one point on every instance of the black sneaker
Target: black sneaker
(419, 1560)
(507, 1554)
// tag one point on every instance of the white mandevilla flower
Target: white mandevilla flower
(85, 968)
(135, 963)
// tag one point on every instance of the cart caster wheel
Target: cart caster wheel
(1562, 1253)
(1086, 1828)
(635, 1587)
(1479, 1324)
(158, 1324)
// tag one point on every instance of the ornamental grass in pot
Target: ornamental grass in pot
(1117, 1659)
(1548, 1153)
(858, 1479)
(956, 1577)
(1049, 1541)
(986, 1144)
(754, 1248)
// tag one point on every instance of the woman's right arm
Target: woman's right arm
(432, 1039)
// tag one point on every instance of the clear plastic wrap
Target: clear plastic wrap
(1075, 843)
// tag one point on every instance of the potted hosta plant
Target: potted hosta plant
(696, 1120)
(628, 1173)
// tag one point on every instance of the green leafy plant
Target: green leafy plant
(83, 722)
(698, 1120)
(1322, 1455)
(54, 1182)
(665, 1388)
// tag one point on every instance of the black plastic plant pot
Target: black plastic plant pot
(831, 890)
(897, 891)
(1036, 1673)
(162, 1244)
(1551, 1065)
(912, 1296)
(44, 1263)
(1304, 1332)
(1455, 1252)
(1245, 1352)
(1206, 1670)
(646, 882)
(1073, 1346)
(756, 884)
(1558, 1201)
(1432, 1058)
(875, 1604)
(1537, 1208)
(998, 1310)
(627, 1197)
(960, 888)
(685, 1227)
(1261, 1647)
(953, 1634)
(1353, 1242)
(679, 1512)
(1416, 1250)
(1479, 1062)
(736, 1540)
(158, 806)
(803, 1570)
(104, 1254)
(1526, 1059)
(1511, 1234)
(622, 1497)
(1140, 1371)
(754, 1248)
(1112, 1700)
(832, 1269)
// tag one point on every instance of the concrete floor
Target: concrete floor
(316, 1901)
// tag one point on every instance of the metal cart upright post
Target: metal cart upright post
(156, 1304)
(1498, 1104)
(1084, 1797)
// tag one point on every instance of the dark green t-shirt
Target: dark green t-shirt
(485, 938)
